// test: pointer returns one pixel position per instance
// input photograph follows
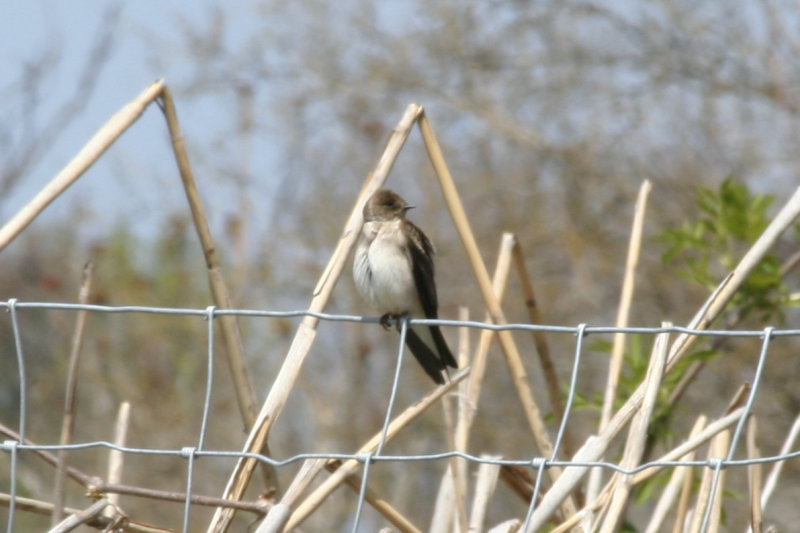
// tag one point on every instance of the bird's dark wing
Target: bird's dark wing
(422, 251)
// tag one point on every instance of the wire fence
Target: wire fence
(195, 446)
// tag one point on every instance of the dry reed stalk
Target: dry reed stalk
(509, 526)
(717, 450)
(598, 505)
(754, 475)
(623, 312)
(595, 446)
(80, 517)
(68, 422)
(682, 512)
(306, 507)
(91, 151)
(451, 497)
(115, 457)
(234, 347)
(445, 506)
(485, 484)
(394, 516)
(637, 434)
(302, 480)
(676, 481)
(692, 443)
(499, 283)
(306, 331)
(774, 474)
(469, 392)
(542, 348)
(513, 360)
(278, 516)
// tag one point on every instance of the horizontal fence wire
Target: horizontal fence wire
(195, 450)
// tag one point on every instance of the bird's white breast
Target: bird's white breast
(382, 269)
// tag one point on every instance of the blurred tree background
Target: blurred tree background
(550, 115)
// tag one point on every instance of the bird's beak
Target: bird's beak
(408, 206)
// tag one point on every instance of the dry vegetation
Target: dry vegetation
(550, 120)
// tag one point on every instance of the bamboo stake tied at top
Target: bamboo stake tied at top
(306, 332)
(86, 157)
(93, 149)
(513, 360)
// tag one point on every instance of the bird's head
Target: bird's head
(385, 205)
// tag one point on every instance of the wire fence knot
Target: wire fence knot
(538, 462)
(187, 452)
(365, 457)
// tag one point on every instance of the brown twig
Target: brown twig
(542, 348)
(97, 485)
(45, 508)
(68, 421)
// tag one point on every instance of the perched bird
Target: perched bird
(393, 272)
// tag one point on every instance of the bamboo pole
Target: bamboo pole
(234, 348)
(306, 332)
(485, 485)
(479, 360)
(705, 497)
(116, 459)
(623, 312)
(469, 394)
(395, 517)
(676, 481)
(305, 508)
(637, 434)
(754, 476)
(91, 151)
(513, 360)
(775, 472)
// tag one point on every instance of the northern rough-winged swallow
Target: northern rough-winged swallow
(393, 271)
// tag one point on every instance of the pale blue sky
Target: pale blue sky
(137, 176)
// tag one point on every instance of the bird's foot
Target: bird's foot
(385, 319)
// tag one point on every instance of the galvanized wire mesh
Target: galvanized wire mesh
(195, 445)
